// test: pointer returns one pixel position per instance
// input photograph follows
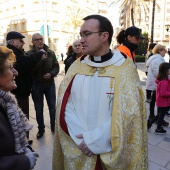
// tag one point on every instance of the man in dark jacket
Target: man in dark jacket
(77, 48)
(43, 83)
(24, 64)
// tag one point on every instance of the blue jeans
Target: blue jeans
(38, 92)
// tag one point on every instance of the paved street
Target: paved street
(158, 145)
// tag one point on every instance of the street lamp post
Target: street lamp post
(45, 22)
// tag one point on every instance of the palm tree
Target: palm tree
(132, 3)
(135, 7)
(74, 21)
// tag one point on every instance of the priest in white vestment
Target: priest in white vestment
(101, 116)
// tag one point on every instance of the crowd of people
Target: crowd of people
(21, 74)
(99, 116)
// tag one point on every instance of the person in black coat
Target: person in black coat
(24, 65)
(69, 54)
(77, 48)
(15, 152)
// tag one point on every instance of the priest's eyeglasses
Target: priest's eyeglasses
(88, 33)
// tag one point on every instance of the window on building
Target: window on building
(102, 12)
(157, 36)
(144, 28)
(166, 36)
(168, 10)
(36, 21)
(55, 43)
(102, 4)
(1, 29)
(23, 26)
(35, 2)
(158, 18)
(15, 27)
(55, 24)
(22, 5)
(140, 20)
(54, 5)
(167, 19)
(156, 28)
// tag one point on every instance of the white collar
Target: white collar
(117, 56)
(97, 58)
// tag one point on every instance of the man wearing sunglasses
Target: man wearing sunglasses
(101, 117)
(24, 65)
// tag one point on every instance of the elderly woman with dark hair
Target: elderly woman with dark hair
(15, 152)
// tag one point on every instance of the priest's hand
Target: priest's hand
(83, 147)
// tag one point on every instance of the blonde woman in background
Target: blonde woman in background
(153, 66)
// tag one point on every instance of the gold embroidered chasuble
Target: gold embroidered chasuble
(128, 125)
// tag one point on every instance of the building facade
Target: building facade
(143, 19)
(58, 21)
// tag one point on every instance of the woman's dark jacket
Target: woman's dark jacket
(70, 61)
(9, 160)
(24, 65)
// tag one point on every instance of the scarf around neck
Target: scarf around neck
(19, 123)
(132, 47)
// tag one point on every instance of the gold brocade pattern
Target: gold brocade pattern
(110, 94)
(111, 83)
(101, 70)
(128, 130)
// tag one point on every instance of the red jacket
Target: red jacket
(163, 93)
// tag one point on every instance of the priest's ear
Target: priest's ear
(104, 36)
